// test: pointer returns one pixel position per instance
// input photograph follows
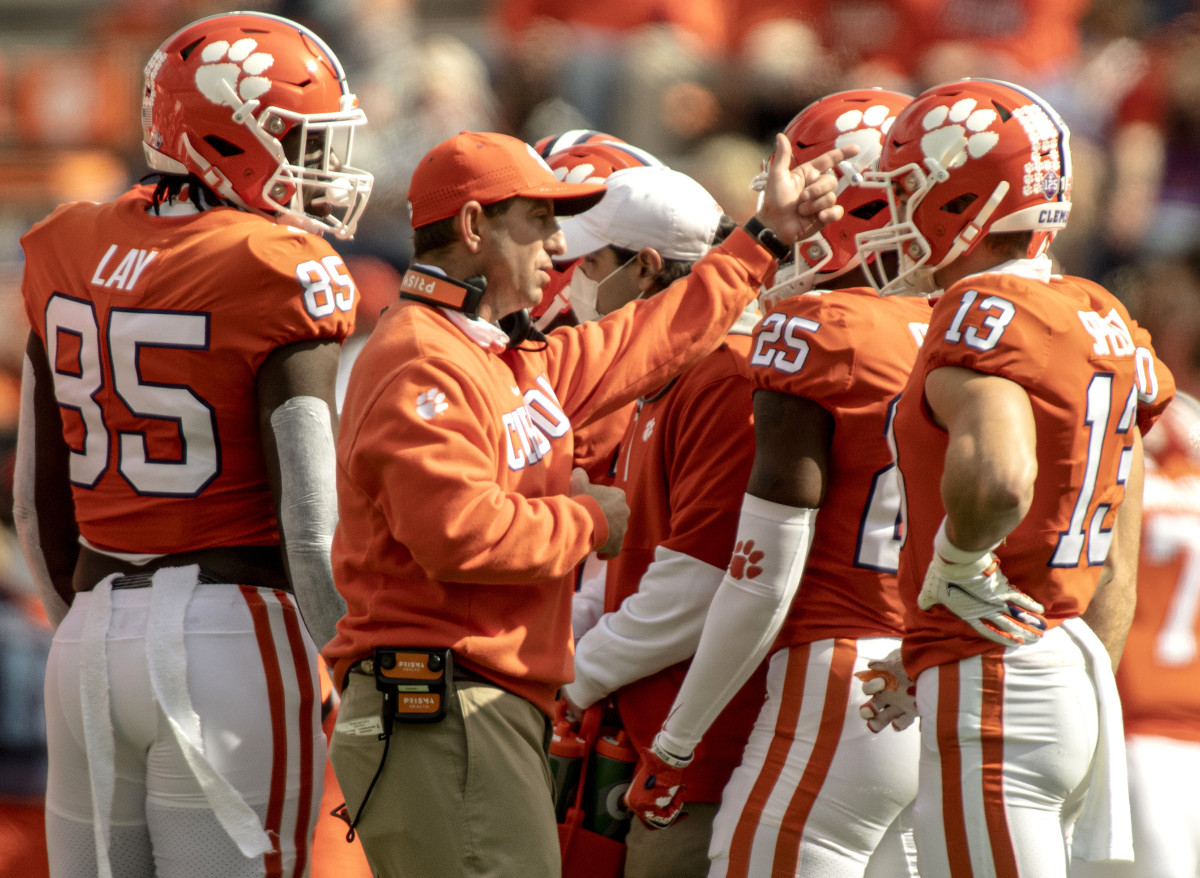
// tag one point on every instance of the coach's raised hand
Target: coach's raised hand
(798, 202)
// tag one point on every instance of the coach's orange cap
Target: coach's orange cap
(488, 167)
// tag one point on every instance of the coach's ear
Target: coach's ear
(466, 222)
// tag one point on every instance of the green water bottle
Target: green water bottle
(612, 769)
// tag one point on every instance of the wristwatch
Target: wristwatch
(756, 230)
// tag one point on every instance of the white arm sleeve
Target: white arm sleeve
(308, 509)
(25, 514)
(655, 627)
(587, 604)
(746, 614)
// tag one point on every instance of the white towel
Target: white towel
(167, 661)
(1104, 829)
(97, 718)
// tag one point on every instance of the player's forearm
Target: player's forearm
(308, 510)
(1110, 613)
(746, 614)
(991, 454)
(985, 498)
(43, 509)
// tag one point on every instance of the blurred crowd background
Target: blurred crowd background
(703, 84)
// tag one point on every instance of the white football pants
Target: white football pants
(183, 730)
(1007, 741)
(816, 790)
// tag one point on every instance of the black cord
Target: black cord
(341, 811)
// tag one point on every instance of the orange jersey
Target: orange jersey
(1091, 378)
(155, 328)
(1159, 675)
(596, 444)
(684, 463)
(455, 525)
(850, 351)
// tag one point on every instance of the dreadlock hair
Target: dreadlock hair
(169, 187)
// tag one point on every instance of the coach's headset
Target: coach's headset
(464, 296)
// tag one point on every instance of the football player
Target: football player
(1018, 440)
(815, 792)
(1159, 676)
(175, 487)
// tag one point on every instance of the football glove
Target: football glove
(655, 794)
(893, 694)
(979, 593)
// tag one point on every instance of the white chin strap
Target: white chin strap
(967, 238)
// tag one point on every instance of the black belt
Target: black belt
(145, 580)
(366, 667)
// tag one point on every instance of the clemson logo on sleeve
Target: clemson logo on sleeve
(431, 403)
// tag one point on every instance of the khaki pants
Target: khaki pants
(468, 796)
(679, 851)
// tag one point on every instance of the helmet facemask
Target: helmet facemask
(315, 187)
(806, 269)
(906, 271)
(860, 118)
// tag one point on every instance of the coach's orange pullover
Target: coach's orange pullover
(455, 528)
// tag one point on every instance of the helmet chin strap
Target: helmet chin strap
(213, 179)
(969, 236)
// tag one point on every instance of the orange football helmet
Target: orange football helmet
(553, 143)
(258, 108)
(962, 160)
(593, 162)
(861, 117)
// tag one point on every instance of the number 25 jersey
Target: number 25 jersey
(850, 351)
(155, 329)
(1091, 377)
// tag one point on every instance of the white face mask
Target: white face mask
(583, 292)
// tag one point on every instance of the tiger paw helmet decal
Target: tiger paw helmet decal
(960, 130)
(236, 64)
(865, 129)
(965, 130)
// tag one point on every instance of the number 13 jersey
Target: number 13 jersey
(155, 329)
(1091, 377)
